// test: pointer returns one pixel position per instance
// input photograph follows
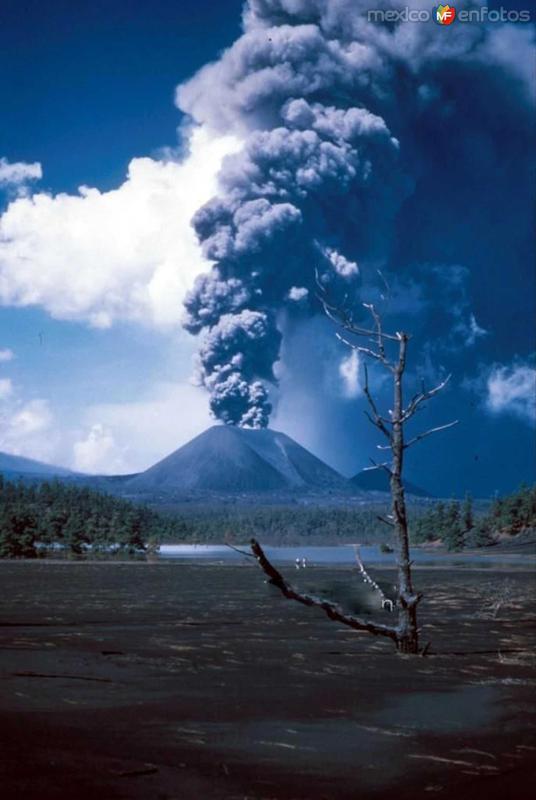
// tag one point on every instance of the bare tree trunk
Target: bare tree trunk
(408, 635)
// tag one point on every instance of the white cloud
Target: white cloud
(341, 265)
(32, 417)
(466, 332)
(6, 355)
(126, 254)
(26, 427)
(98, 452)
(18, 172)
(109, 438)
(298, 294)
(349, 373)
(512, 389)
(6, 388)
(475, 331)
(129, 437)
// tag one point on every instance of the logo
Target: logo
(445, 15)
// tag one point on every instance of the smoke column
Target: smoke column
(346, 124)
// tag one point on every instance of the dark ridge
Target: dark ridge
(12, 466)
(377, 480)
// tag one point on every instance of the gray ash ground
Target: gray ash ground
(195, 682)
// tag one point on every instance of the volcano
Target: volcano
(235, 460)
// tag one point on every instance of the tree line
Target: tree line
(38, 518)
(458, 527)
(283, 525)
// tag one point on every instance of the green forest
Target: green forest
(458, 527)
(284, 525)
(36, 519)
(457, 524)
(66, 519)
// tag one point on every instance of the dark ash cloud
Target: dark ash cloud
(353, 159)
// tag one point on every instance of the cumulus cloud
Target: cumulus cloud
(512, 389)
(26, 426)
(298, 294)
(473, 331)
(18, 173)
(30, 418)
(6, 355)
(6, 388)
(349, 373)
(98, 452)
(105, 438)
(340, 264)
(130, 437)
(126, 254)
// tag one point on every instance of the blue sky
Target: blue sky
(87, 86)
(94, 365)
(84, 90)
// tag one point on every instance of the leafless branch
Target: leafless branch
(376, 419)
(345, 322)
(365, 350)
(384, 281)
(378, 323)
(384, 465)
(386, 601)
(343, 318)
(378, 423)
(385, 520)
(408, 600)
(368, 352)
(237, 550)
(427, 433)
(421, 397)
(377, 347)
(331, 312)
(332, 610)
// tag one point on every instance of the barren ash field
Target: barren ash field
(171, 681)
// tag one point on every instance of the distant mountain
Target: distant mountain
(12, 466)
(234, 460)
(377, 480)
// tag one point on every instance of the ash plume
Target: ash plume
(337, 115)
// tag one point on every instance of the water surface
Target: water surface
(345, 555)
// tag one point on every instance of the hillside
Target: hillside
(11, 466)
(377, 480)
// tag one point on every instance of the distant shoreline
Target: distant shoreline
(511, 566)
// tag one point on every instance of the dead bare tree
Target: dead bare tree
(392, 428)
(378, 348)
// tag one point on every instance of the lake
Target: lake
(345, 555)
